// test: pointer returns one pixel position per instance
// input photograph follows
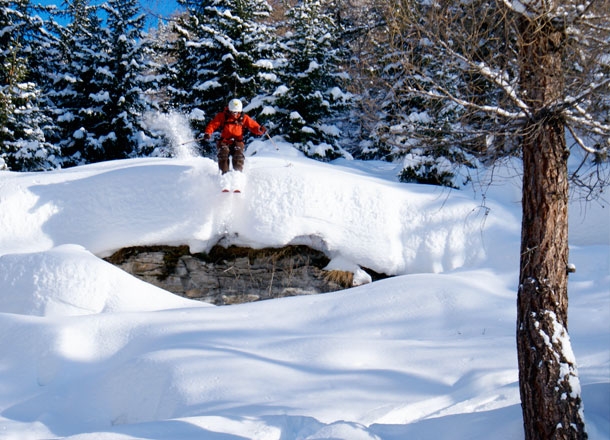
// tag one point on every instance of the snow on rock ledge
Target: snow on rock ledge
(344, 212)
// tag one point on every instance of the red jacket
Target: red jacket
(233, 126)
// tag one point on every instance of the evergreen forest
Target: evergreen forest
(429, 87)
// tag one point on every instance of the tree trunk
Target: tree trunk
(548, 380)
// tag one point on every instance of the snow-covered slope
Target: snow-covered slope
(92, 353)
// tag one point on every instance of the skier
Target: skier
(231, 122)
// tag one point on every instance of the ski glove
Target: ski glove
(207, 137)
(262, 130)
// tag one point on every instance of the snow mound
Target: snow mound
(360, 220)
(68, 280)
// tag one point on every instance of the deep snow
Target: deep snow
(91, 352)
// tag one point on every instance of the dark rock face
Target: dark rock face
(233, 275)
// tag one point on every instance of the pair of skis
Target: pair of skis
(232, 181)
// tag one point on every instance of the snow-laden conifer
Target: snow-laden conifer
(22, 114)
(310, 97)
(77, 91)
(223, 50)
(125, 80)
(99, 86)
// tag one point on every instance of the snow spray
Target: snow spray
(175, 127)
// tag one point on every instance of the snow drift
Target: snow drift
(372, 222)
(90, 352)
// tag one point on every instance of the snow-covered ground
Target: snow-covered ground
(89, 352)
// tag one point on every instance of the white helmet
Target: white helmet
(235, 106)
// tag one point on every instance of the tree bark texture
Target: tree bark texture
(548, 380)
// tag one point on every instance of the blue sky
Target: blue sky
(153, 8)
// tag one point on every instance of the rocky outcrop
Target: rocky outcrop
(233, 275)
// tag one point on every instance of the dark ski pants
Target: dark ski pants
(230, 148)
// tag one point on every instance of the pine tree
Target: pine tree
(99, 87)
(77, 91)
(22, 141)
(223, 50)
(310, 95)
(437, 140)
(125, 81)
(45, 62)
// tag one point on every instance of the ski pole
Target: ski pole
(274, 144)
(190, 142)
(288, 164)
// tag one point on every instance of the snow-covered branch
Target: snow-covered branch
(580, 142)
(584, 119)
(516, 7)
(496, 77)
(574, 100)
(446, 94)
